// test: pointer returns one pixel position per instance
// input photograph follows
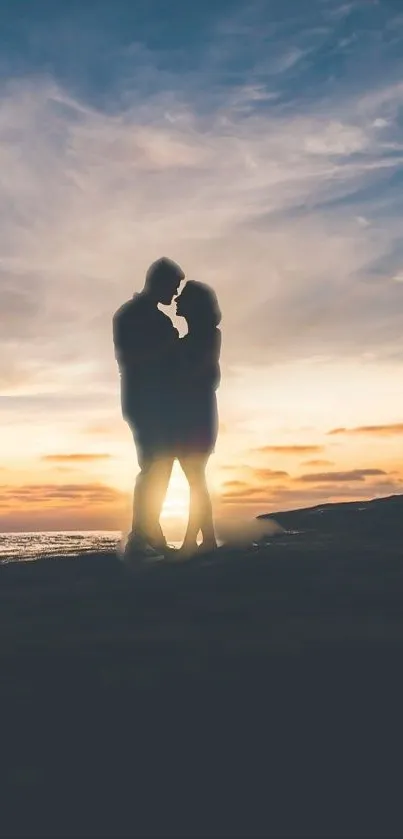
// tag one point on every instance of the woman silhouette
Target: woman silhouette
(196, 415)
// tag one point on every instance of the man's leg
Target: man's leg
(159, 475)
(149, 493)
(139, 520)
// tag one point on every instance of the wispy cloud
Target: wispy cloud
(340, 477)
(269, 474)
(262, 492)
(92, 506)
(79, 457)
(318, 462)
(107, 199)
(229, 486)
(269, 166)
(291, 496)
(389, 430)
(247, 494)
(58, 495)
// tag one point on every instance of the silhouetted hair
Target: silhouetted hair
(202, 304)
(162, 269)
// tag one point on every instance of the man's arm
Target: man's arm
(139, 357)
(129, 353)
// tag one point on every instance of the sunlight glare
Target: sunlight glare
(177, 500)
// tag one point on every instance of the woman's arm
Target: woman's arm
(197, 366)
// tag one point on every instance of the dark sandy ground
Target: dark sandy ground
(259, 694)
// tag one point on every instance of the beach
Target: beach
(256, 692)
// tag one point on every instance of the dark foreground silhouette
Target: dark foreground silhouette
(256, 695)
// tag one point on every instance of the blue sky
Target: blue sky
(260, 144)
(309, 49)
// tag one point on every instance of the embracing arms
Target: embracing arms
(135, 348)
(203, 363)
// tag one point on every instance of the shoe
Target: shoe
(182, 554)
(169, 551)
(206, 549)
(138, 550)
(162, 547)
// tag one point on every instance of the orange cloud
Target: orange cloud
(289, 499)
(383, 430)
(91, 506)
(240, 494)
(82, 457)
(295, 449)
(246, 490)
(338, 477)
(58, 494)
(249, 497)
(269, 474)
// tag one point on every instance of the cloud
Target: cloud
(289, 59)
(292, 497)
(391, 429)
(343, 10)
(80, 457)
(68, 495)
(296, 499)
(318, 462)
(326, 485)
(256, 475)
(337, 139)
(87, 506)
(340, 477)
(269, 474)
(264, 186)
(246, 495)
(269, 166)
(288, 450)
(234, 485)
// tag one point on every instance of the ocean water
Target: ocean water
(15, 547)
(22, 547)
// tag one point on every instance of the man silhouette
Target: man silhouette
(143, 336)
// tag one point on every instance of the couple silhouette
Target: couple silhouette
(168, 398)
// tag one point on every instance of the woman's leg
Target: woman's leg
(200, 507)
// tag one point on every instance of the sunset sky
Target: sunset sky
(260, 145)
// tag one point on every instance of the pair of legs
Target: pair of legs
(200, 507)
(156, 463)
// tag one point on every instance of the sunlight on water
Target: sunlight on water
(22, 547)
(16, 547)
